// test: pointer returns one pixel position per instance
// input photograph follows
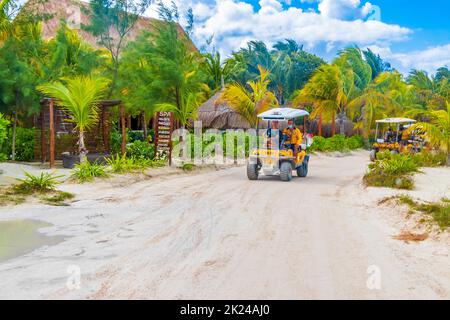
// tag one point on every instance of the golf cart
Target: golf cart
(387, 139)
(275, 157)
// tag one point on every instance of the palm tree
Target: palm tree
(217, 70)
(325, 92)
(376, 101)
(187, 108)
(80, 97)
(250, 103)
(438, 129)
(431, 93)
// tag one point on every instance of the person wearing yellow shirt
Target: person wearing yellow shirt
(293, 137)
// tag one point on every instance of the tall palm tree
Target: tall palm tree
(431, 92)
(80, 97)
(325, 91)
(249, 103)
(216, 69)
(438, 129)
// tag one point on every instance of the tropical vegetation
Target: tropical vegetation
(161, 70)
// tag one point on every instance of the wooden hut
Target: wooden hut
(55, 135)
(216, 114)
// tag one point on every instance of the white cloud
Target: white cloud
(232, 22)
(344, 9)
(429, 59)
(336, 24)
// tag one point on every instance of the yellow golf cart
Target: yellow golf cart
(402, 140)
(275, 157)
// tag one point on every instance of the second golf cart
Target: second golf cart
(275, 157)
(403, 140)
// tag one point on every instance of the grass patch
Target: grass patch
(186, 166)
(37, 183)
(392, 171)
(59, 198)
(123, 164)
(439, 211)
(42, 186)
(87, 172)
(10, 196)
(430, 159)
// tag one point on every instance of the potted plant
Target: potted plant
(80, 97)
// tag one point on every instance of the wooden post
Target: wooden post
(105, 127)
(43, 138)
(52, 134)
(170, 138)
(124, 131)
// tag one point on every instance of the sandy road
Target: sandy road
(217, 235)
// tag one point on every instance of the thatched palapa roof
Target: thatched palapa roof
(220, 115)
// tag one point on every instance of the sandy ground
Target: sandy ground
(216, 235)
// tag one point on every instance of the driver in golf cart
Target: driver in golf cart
(292, 137)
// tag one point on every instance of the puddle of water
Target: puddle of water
(19, 237)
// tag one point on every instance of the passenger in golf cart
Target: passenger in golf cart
(292, 138)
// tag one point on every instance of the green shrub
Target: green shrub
(398, 164)
(86, 171)
(355, 142)
(24, 144)
(37, 183)
(430, 159)
(337, 143)
(140, 149)
(392, 171)
(3, 136)
(121, 164)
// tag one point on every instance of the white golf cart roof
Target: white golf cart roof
(396, 120)
(282, 114)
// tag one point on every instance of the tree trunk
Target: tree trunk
(81, 147)
(448, 158)
(333, 124)
(342, 118)
(124, 131)
(319, 126)
(129, 122)
(13, 144)
(144, 125)
(365, 130)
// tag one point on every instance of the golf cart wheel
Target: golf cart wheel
(286, 171)
(373, 155)
(252, 171)
(302, 171)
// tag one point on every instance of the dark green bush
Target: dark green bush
(141, 149)
(337, 143)
(24, 144)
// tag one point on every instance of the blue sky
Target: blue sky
(408, 33)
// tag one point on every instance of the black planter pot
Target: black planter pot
(70, 160)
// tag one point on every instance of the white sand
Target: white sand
(217, 235)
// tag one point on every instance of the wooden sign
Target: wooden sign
(163, 134)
